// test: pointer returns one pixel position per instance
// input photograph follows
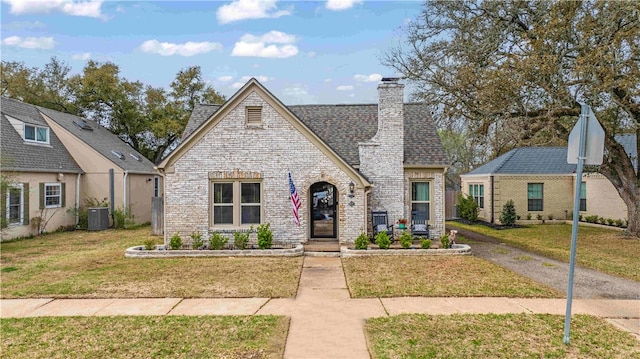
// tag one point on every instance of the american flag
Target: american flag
(295, 201)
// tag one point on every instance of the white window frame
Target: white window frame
(59, 195)
(8, 204)
(480, 194)
(35, 134)
(235, 204)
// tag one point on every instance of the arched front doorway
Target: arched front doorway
(324, 210)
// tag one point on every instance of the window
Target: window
(15, 204)
(477, 192)
(156, 186)
(420, 197)
(51, 195)
(236, 203)
(254, 116)
(534, 196)
(583, 197)
(36, 134)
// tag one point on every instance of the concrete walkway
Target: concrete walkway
(325, 321)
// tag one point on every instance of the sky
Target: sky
(304, 52)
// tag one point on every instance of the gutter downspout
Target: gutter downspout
(78, 199)
(124, 191)
(492, 201)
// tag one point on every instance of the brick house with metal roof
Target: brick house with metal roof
(541, 182)
(231, 169)
(56, 161)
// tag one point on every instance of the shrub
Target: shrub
(406, 239)
(197, 241)
(175, 242)
(362, 242)
(383, 240)
(528, 216)
(425, 243)
(619, 222)
(240, 239)
(467, 208)
(445, 242)
(217, 241)
(610, 221)
(122, 218)
(550, 216)
(150, 244)
(265, 236)
(591, 219)
(508, 215)
(539, 216)
(580, 218)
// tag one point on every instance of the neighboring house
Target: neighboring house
(231, 169)
(41, 173)
(73, 158)
(541, 182)
(112, 168)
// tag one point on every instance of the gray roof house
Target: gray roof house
(345, 161)
(541, 183)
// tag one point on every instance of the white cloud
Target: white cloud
(243, 80)
(249, 9)
(225, 78)
(189, 48)
(23, 25)
(297, 95)
(339, 5)
(274, 44)
(45, 43)
(368, 78)
(311, 54)
(83, 56)
(328, 80)
(344, 88)
(69, 7)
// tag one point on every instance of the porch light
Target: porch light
(352, 187)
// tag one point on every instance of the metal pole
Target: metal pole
(584, 116)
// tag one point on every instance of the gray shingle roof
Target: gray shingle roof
(20, 156)
(528, 160)
(103, 141)
(341, 127)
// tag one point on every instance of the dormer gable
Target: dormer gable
(31, 133)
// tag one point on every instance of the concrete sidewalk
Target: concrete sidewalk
(325, 321)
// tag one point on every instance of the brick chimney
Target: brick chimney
(382, 157)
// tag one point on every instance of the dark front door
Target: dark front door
(324, 204)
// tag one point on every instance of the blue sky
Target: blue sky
(303, 52)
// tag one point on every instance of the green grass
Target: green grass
(145, 337)
(83, 264)
(602, 249)
(437, 276)
(496, 336)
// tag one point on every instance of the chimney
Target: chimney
(390, 107)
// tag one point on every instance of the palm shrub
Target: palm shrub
(175, 242)
(362, 242)
(383, 240)
(196, 240)
(265, 236)
(467, 208)
(217, 241)
(240, 239)
(508, 215)
(406, 239)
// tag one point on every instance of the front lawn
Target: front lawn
(84, 264)
(496, 336)
(437, 276)
(606, 250)
(145, 337)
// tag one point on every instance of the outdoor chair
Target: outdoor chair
(380, 222)
(420, 224)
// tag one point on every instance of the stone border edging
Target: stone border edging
(140, 252)
(458, 249)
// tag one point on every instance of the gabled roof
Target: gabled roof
(528, 160)
(342, 127)
(23, 157)
(207, 116)
(103, 141)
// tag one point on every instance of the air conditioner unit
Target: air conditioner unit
(98, 219)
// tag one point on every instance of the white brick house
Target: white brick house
(231, 170)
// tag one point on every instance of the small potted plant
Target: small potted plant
(402, 223)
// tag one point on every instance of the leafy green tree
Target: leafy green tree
(514, 73)
(508, 216)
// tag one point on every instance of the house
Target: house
(42, 176)
(72, 158)
(231, 170)
(542, 185)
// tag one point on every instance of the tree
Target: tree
(515, 74)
